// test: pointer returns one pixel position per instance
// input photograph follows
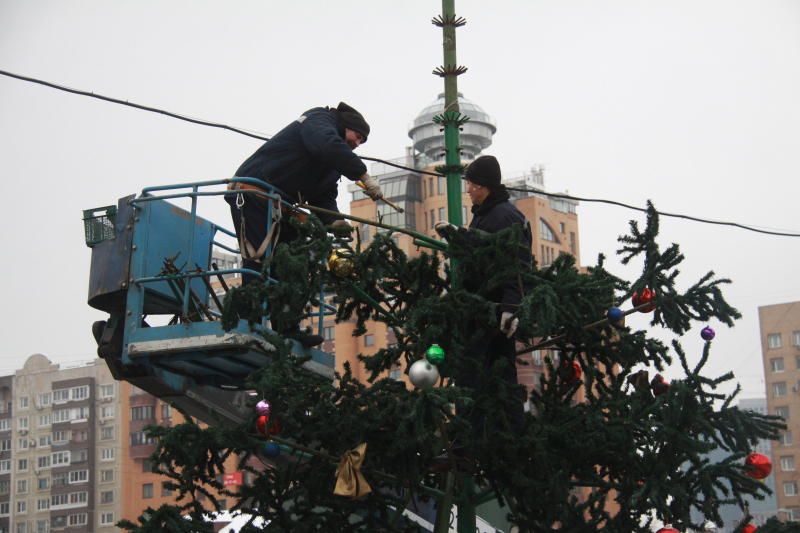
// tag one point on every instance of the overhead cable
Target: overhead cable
(389, 163)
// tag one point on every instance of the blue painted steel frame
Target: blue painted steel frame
(161, 230)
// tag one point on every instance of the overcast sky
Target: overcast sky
(693, 104)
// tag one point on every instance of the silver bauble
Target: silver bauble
(423, 374)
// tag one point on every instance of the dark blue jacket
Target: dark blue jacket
(494, 214)
(306, 158)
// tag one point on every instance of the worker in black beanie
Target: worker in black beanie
(492, 212)
(305, 161)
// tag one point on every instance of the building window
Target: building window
(328, 332)
(22, 423)
(5, 509)
(779, 389)
(782, 412)
(106, 519)
(22, 507)
(44, 399)
(22, 486)
(60, 459)
(427, 225)
(5, 445)
(442, 185)
(22, 465)
(107, 391)
(430, 187)
(545, 233)
(369, 340)
(78, 519)
(5, 466)
(43, 526)
(79, 393)
(5, 486)
(43, 504)
(442, 215)
(43, 483)
(44, 420)
(61, 437)
(776, 364)
(774, 340)
(43, 461)
(143, 412)
(107, 411)
(790, 488)
(45, 441)
(139, 438)
(107, 496)
(107, 454)
(106, 476)
(107, 433)
(60, 395)
(787, 463)
(165, 489)
(364, 232)
(78, 476)
(23, 402)
(80, 456)
(147, 465)
(147, 490)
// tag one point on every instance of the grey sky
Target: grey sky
(691, 104)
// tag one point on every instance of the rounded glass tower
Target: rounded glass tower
(475, 136)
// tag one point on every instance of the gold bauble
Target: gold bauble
(341, 263)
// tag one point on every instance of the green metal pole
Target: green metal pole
(452, 120)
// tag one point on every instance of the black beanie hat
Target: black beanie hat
(350, 118)
(484, 171)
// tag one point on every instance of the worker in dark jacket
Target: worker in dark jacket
(305, 160)
(492, 212)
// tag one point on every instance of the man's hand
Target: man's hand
(371, 187)
(444, 229)
(508, 323)
(341, 225)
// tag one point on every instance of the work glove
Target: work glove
(508, 323)
(444, 229)
(371, 187)
(340, 225)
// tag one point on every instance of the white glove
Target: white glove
(508, 324)
(371, 187)
(443, 228)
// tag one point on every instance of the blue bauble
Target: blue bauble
(271, 450)
(615, 314)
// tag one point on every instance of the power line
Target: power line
(395, 165)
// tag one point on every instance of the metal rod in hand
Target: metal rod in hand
(387, 202)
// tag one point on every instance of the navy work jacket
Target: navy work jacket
(306, 158)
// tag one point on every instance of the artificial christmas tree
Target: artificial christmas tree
(613, 462)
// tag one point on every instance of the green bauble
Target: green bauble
(435, 354)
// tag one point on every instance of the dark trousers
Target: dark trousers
(255, 229)
(496, 355)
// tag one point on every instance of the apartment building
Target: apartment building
(74, 455)
(779, 327)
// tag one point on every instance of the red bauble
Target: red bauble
(647, 296)
(758, 465)
(749, 528)
(261, 424)
(668, 530)
(570, 372)
(659, 385)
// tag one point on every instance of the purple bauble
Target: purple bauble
(263, 408)
(707, 333)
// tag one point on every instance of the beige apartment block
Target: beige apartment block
(779, 327)
(74, 455)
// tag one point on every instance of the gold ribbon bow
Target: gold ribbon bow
(349, 479)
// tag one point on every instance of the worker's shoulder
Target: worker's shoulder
(317, 113)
